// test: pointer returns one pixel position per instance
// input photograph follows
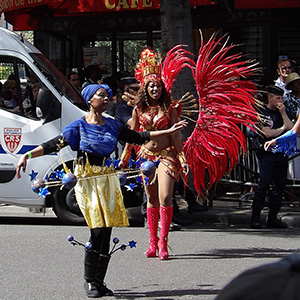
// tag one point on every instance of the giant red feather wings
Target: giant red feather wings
(226, 100)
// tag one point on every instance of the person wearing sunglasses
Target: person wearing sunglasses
(124, 111)
(284, 68)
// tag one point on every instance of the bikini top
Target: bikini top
(155, 122)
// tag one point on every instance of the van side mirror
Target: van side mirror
(47, 106)
(43, 103)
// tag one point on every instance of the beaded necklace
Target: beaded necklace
(152, 111)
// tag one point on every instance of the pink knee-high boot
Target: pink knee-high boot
(166, 213)
(152, 219)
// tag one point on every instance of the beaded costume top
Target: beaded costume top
(151, 121)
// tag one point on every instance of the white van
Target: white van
(26, 122)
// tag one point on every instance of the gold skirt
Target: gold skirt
(99, 196)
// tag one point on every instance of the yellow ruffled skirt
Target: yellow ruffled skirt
(99, 196)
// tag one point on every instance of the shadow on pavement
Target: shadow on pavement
(36, 220)
(124, 294)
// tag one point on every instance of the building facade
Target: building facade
(69, 32)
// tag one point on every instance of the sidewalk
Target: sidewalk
(228, 213)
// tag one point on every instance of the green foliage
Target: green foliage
(28, 35)
(132, 51)
(6, 69)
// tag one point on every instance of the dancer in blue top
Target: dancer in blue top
(94, 137)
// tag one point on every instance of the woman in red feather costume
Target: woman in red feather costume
(226, 100)
(155, 110)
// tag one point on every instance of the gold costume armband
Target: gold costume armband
(181, 157)
(126, 155)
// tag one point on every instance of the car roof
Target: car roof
(11, 41)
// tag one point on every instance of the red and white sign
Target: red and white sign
(12, 138)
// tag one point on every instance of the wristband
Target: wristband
(29, 155)
(125, 155)
(286, 143)
(289, 136)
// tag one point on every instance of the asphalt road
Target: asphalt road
(37, 261)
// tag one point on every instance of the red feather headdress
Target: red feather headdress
(150, 66)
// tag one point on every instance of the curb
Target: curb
(224, 215)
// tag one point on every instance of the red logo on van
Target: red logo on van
(12, 138)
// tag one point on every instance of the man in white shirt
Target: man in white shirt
(284, 68)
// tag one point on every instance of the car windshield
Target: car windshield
(58, 80)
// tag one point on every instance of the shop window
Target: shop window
(251, 40)
(289, 43)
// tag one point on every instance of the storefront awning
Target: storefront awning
(123, 5)
(259, 4)
(12, 5)
(24, 14)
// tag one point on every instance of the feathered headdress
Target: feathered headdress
(150, 65)
(226, 100)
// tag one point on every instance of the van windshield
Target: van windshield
(58, 80)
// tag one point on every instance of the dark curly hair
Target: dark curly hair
(164, 101)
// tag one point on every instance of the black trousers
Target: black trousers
(100, 239)
(96, 261)
(273, 172)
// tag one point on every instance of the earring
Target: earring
(145, 97)
(146, 100)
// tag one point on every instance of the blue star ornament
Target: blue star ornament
(139, 162)
(52, 176)
(59, 174)
(132, 244)
(131, 186)
(37, 185)
(33, 175)
(44, 192)
(116, 163)
(107, 162)
(139, 179)
(131, 163)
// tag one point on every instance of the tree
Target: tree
(176, 28)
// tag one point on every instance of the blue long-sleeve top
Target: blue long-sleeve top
(98, 141)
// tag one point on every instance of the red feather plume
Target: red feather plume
(176, 59)
(226, 100)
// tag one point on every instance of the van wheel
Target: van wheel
(66, 208)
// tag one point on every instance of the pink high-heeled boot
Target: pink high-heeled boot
(166, 213)
(152, 219)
